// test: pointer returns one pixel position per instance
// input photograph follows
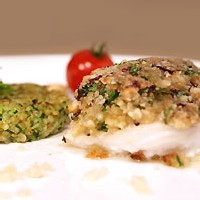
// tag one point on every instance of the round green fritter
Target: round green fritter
(30, 112)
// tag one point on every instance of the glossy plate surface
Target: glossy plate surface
(48, 169)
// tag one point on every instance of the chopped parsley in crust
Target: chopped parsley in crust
(147, 109)
(138, 92)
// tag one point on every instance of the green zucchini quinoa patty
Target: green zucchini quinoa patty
(30, 112)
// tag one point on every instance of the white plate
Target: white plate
(48, 169)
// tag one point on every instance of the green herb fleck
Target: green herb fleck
(102, 89)
(104, 107)
(9, 131)
(180, 162)
(181, 93)
(102, 126)
(5, 88)
(119, 83)
(43, 115)
(140, 107)
(152, 89)
(19, 127)
(145, 78)
(112, 95)
(36, 134)
(144, 90)
(163, 90)
(90, 87)
(190, 72)
(166, 113)
(150, 102)
(134, 69)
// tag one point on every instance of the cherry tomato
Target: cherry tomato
(83, 62)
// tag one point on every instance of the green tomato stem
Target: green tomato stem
(98, 51)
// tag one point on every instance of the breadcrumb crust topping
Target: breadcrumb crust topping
(135, 92)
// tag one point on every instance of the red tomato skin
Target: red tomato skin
(81, 64)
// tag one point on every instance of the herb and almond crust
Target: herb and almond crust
(143, 91)
(138, 92)
(30, 112)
